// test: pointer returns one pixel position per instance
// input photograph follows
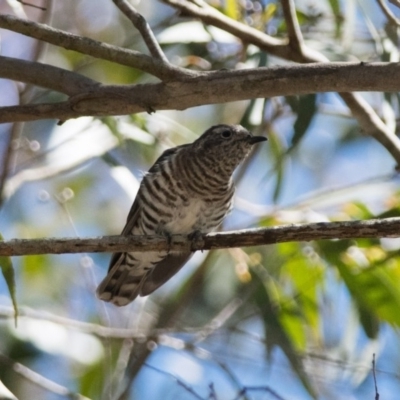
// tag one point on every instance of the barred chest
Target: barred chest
(183, 216)
(176, 199)
(196, 215)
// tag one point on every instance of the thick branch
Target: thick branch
(217, 87)
(45, 76)
(92, 47)
(378, 228)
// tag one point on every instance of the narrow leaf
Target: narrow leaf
(305, 115)
(9, 276)
(275, 331)
(231, 9)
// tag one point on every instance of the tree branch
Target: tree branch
(277, 47)
(388, 12)
(143, 27)
(374, 228)
(92, 47)
(224, 86)
(366, 116)
(100, 331)
(372, 125)
(46, 76)
(40, 380)
(190, 88)
(296, 41)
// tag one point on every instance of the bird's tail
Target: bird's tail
(120, 286)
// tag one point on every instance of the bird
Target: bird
(189, 190)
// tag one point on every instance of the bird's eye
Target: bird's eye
(226, 134)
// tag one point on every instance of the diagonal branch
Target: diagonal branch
(371, 124)
(296, 41)
(374, 228)
(39, 380)
(143, 27)
(367, 118)
(100, 331)
(92, 47)
(388, 12)
(45, 76)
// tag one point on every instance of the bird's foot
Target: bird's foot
(168, 236)
(196, 237)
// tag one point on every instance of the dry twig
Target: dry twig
(143, 27)
(40, 380)
(374, 228)
(388, 12)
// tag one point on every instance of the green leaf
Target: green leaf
(269, 12)
(276, 147)
(305, 115)
(374, 288)
(305, 107)
(278, 324)
(91, 381)
(231, 9)
(335, 7)
(9, 276)
(306, 278)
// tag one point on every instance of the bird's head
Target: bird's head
(227, 144)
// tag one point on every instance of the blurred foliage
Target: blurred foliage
(301, 320)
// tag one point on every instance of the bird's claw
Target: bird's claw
(195, 237)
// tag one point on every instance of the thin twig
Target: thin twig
(177, 380)
(143, 27)
(40, 380)
(232, 378)
(374, 228)
(373, 373)
(371, 124)
(292, 24)
(6, 157)
(265, 389)
(24, 3)
(395, 2)
(100, 331)
(165, 336)
(219, 320)
(388, 12)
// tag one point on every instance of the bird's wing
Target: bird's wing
(131, 220)
(122, 283)
(135, 209)
(163, 271)
(165, 155)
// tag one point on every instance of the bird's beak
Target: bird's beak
(256, 139)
